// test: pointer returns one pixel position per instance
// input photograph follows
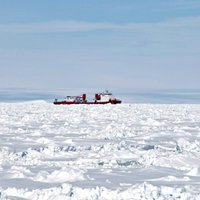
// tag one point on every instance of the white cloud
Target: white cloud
(57, 26)
(82, 26)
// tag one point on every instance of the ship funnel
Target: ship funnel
(97, 97)
(84, 97)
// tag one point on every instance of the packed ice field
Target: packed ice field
(127, 151)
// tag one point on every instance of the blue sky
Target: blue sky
(130, 44)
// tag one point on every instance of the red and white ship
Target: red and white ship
(100, 98)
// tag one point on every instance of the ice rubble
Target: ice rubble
(139, 191)
(127, 151)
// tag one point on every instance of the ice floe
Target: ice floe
(127, 151)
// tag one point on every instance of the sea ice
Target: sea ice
(127, 151)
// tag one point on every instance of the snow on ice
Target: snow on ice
(127, 151)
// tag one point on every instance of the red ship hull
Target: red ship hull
(95, 102)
